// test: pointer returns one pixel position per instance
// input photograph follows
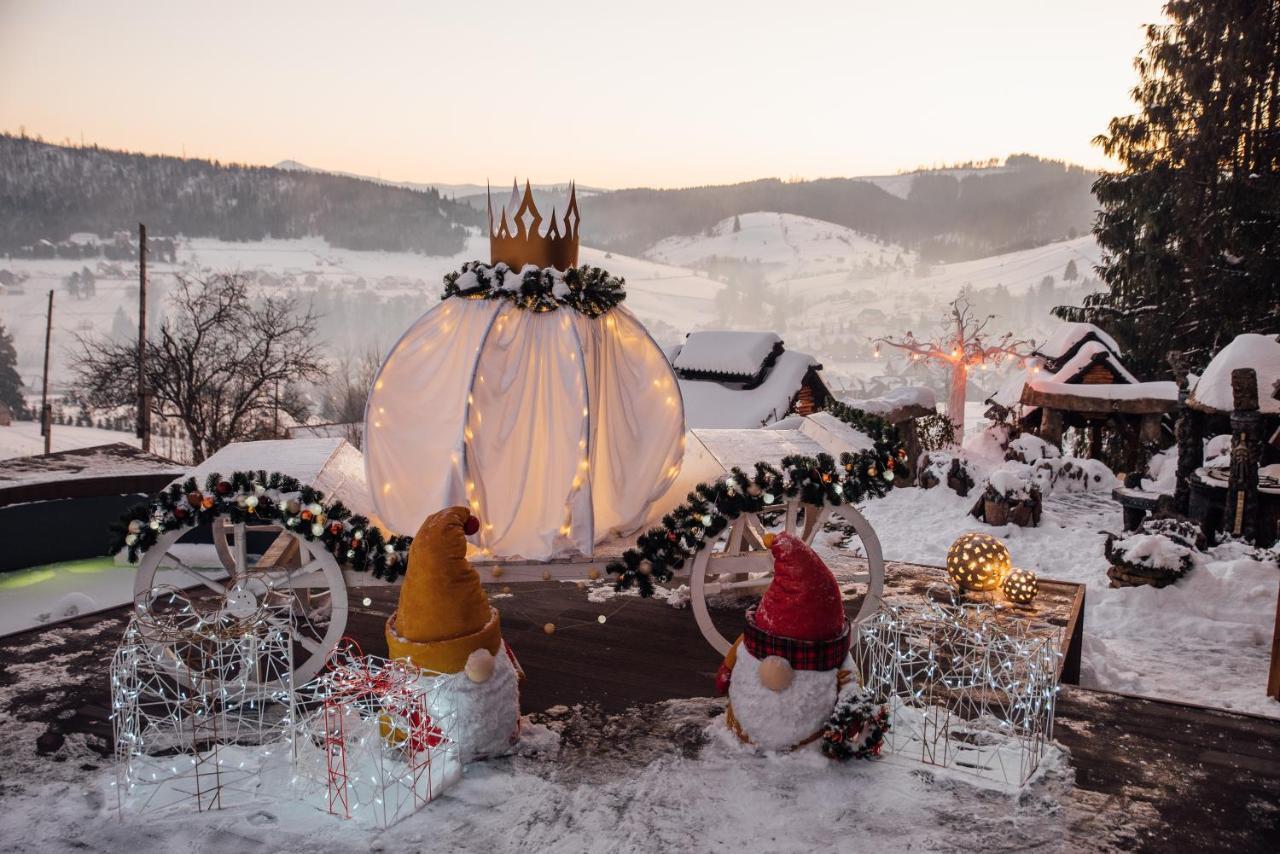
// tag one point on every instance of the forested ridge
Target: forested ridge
(49, 192)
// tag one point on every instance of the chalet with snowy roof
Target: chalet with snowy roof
(745, 379)
(1083, 384)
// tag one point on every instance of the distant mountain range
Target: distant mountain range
(49, 192)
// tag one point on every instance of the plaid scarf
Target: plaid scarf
(802, 654)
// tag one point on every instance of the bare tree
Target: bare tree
(345, 391)
(223, 364)
(963, 343)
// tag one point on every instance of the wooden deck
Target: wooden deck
(1195, 778)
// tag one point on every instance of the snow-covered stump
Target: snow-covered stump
(965, 693)
(380, 743)
(201, 701)
(1157, 553)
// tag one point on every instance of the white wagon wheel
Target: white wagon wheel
(734, 561)
(315, 591)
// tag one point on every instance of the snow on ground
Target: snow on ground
(664, 778)
(1205, 640)
(23, 439)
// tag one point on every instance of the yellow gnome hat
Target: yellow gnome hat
(443, 615)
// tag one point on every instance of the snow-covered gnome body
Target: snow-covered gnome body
(444, 622)
(785, 673)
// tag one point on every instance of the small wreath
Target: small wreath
(589, 290)
(856, 728)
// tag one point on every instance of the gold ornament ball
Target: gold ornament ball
(1021, 586)
(496, 572)
(549, 628)
(978, 562)
(776, 673)
(593, 573)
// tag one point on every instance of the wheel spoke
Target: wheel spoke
(198, 576)
(749, 584)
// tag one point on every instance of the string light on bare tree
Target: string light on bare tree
(964, 343)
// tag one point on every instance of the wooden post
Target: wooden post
(46, 413)
(1095, 440)
(1241, 517)
(144, 404)
(1051, 426)
(1273, 679)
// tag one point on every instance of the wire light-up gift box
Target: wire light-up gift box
(202, 697)
(966, 692)
(378, 743)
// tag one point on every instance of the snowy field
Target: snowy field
(23, 439)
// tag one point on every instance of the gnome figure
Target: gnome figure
(444, 623)
(784, 674)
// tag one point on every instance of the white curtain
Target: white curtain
(557, 428)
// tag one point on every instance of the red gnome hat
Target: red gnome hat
(803, 600)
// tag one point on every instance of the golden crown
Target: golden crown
(528, 245)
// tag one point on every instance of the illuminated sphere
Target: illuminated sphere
(1020, 586)
(978, 562)
(556, 428)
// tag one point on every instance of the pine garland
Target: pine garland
(587, 289)
(660, 552)
(856, 728)
(259, 497)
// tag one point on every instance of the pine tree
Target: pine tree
(1189, 227)
(1071, 273)
(737, 224)
(10, 382)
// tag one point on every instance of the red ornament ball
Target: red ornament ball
(194, 499)
(223, 487)
(471, 526)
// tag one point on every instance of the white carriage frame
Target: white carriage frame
(733, 561)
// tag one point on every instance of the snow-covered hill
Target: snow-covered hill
(785, 246)
(669, 300)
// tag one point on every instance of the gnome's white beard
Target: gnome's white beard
(779, 720)
(487, 713)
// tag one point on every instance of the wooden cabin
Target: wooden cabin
(734, 379)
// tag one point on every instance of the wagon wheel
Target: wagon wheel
(735, 561)
(313, 588)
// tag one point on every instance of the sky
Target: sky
(651, 93)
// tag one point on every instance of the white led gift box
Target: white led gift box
(528, 394)
(202, 700)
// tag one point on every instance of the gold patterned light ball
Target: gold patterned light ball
(978, 562)
(1021, 586)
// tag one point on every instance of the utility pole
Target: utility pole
(46, 413)
(144, 403)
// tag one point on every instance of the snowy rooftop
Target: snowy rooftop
(1167, 391)
(906, 397)
(1069, 335)
(1087, 353)
(1260, 352)
(710, 404)
(725, 352)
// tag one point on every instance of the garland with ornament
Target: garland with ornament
(856, 728)
(587, 289)
(259, 497)
(711, 507)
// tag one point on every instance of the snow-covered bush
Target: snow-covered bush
(1158, 553)
(1010, 495)
(1217, 451)
(954, 470)
(1162, 472)
(1029, 448)
(1077, 475)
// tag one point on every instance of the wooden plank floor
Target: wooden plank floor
(1205, 779)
